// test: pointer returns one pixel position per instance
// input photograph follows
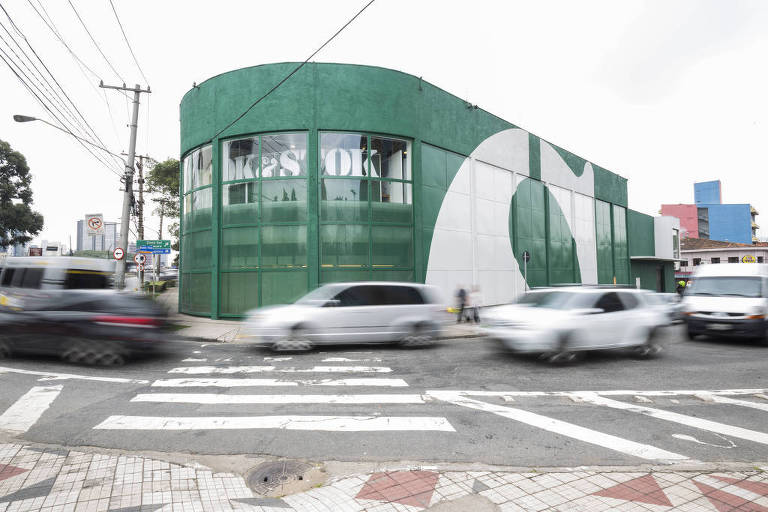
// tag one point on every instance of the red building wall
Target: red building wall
(688, 215)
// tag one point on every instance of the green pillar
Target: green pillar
(215, 227)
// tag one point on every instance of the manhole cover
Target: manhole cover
(267, 477)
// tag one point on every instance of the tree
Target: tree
(18, 223)
(163, 180)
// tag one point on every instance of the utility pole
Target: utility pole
(140, 209)
(128, 179)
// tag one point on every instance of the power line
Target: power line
(94, 42)
(289, 75)
(129, 44)
(29, 85)
(45, 106)
(16, 28)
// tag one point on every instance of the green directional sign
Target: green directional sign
(155, 244)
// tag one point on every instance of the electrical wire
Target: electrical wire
(80, 114)
(95, 43)
(127, 43)
(289, 75)
(65, 127)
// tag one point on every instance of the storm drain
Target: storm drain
(266, 478)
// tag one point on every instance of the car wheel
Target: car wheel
(651, 348)
(563, 355)
(110, 357)
(419, 336)
(296, 341)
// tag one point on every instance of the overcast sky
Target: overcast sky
(663, 92)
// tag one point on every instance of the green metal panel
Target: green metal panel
(603, 239)
(282, 287)
(239, 292)
(647, 272)
(642, 241)
(563, 262)
(528, 216)
(620, 249)
(610, 187)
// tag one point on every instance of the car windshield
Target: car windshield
(319, 295)
(726, 286)
(552, 300)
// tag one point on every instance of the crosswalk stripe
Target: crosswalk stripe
(347, 360)
(324, 423)
(682, 419)
(67, 376)
(200, 370)
(217, 399)
(743, 403)
(563, 428)
(227, 383)
(25, 412)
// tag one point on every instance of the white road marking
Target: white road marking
(682, 419)
(617, 392)
(200, 370)
(217, 399)
(742, 403)
(692, 439)
(25, 412)
(324, 423)
(193, 360)
(278, 358)
(642, 399)
(66, 376)
(226, 383)
(761, 395)
(563, 428)
(347, 360)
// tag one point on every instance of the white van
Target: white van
(26, 279)
(729, 299)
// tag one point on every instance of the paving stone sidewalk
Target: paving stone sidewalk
(58, 480)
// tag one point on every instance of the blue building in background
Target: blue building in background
(723, 222)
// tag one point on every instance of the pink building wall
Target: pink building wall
(688, 215)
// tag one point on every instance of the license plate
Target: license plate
(720, 327)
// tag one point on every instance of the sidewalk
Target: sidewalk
(205, 329)
(60, 480)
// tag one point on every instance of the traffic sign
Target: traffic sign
(154, 246)
(140, 259)
(526, 256)
(141, 267)
(118, 253)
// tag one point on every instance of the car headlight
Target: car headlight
(757, 312)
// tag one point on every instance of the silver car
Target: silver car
(365, 312)
(561, 322)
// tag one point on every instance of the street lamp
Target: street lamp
(25, 119)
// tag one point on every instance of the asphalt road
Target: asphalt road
(463, 400)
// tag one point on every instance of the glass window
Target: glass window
(187, 169)
(630, 300)
(392, 246)
(401, 295)
(343, 154)
(284, 246)
(610, 303)
(284, 201)
(344, 245)
(240, 203)
(239, 248)
(198, 168)
(8, 276)
(197, 209)
(726, 287)
(390, 158)
(83, 279)
(759, 259)
(344, 200)
(241, 159)
(32, 278)
(684, 263)
(391, 201)
(360, 296)
(696, 261)
(196, 250)
(731, 259)
(714, 260)
(283, 154)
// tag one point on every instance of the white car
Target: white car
(365, 312)
(560, 322)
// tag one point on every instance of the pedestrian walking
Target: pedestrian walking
(461, 303)
(475, 303)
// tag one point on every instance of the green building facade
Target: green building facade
(349, 173)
